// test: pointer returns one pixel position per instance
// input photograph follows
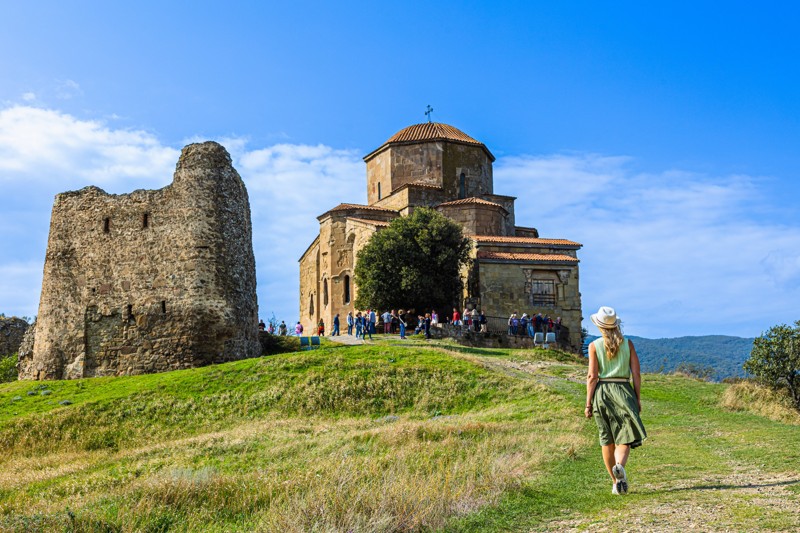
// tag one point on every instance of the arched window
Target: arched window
(379, 191)
(347, 289)
(462, 186)
(311, 305)
(325, 293)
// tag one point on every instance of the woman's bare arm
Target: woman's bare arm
(591, 380)
(636, 372)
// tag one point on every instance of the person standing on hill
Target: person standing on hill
(610, 399)
(359, 323)
(372, 319)
(402, 323)
(335, 331)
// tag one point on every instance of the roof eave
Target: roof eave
(386, 145)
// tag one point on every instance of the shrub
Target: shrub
(8, 368)
(775, 360)
(273, 344)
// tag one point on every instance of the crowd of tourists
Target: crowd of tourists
(365, 324)
(530, 325)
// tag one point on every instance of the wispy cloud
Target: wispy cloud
(67, 89)
(678, 253)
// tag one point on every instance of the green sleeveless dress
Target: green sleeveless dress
(614, 405)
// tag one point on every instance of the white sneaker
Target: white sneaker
(622, 478)
(614, 489)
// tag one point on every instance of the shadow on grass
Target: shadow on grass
(730, 487)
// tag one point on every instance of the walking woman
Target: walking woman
(611, 400)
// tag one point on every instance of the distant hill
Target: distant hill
(723, 353)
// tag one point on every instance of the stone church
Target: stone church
(436, 165)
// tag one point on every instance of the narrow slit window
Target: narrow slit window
(379, 191)
(130, 311)
(462, 186)
(145, 220)
(106, 225)
(347, 289)
(163, 307)
(325, 292)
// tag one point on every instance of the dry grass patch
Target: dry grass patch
(761, 400)
(300, 474)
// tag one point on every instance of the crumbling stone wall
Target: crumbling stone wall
(12, 329)
(149, 281)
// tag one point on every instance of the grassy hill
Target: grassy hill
(383, 437)
(723, 353)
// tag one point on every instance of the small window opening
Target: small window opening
(325, 292)
(130, 312)
(347, 289)
(106, 225)
(543, 293)
(379, 191)
(163, 307)
(462, 186)
(145, 220)
(311, 305)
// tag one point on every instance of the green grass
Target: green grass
(413, 437)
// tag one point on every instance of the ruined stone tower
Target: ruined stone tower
(149, 281)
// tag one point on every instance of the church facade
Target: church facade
(436, 165)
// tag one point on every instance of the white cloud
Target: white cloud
(58, 151)
(289, 186)
(29, 96)
(678, 253)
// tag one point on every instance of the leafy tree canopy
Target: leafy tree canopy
(414, 263)
(775, 359)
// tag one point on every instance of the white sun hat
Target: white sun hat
(605, 318)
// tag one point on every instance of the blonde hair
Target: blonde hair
(612, 340)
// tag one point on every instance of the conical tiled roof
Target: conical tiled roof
(428, 131)
(431, 131)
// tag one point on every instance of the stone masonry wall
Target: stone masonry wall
(12, 330)
(503, 291)
(476, 219)
(149, 281)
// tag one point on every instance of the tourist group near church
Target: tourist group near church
(370, 322)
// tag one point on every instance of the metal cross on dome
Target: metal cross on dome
(428, 112)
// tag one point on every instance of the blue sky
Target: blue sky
(663, 138)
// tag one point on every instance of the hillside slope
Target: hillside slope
(383, 437)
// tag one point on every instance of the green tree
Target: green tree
(414, 263)
(775, 359)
